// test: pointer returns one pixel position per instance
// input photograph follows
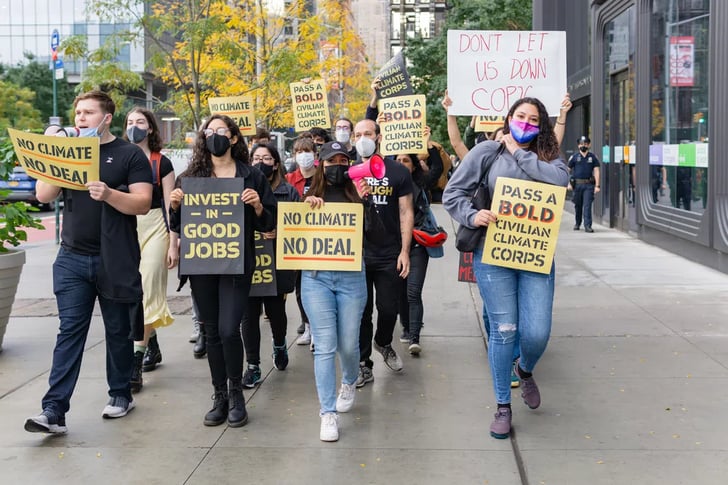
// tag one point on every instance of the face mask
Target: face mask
(522, 131)
(336, 174)
(217, 144)
(343, 136)
(304, 160)
(91, 132)
(136, 134)
(583, 149)
(266, 169)
(365, 147)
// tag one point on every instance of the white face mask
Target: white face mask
(343, 136)
(365, 147)
(304, 160)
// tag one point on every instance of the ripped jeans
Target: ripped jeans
(518, 302)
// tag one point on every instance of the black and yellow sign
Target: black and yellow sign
(264, 277)
(239, 108)
(525, 234)
(402, 124)
(328, 238)
(65, 162)
(393, 78)
(488, 123)
(213, 217)
(310, 105)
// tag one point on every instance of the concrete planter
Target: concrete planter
(11, 264)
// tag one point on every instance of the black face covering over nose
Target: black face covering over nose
(217, 144)
(336, 175)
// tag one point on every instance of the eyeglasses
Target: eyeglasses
(343, 128)
(266, 158)
(208, 132)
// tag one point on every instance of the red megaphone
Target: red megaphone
(374, 167)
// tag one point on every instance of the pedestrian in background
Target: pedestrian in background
(584, 167)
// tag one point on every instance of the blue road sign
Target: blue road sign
(55, 39)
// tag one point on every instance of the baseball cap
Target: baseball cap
(328, 150)
(584, 139)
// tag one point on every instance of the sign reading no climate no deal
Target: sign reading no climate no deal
(525, 234)
(310, 105)
(212, 220)
(60, 161)
(328, 238)
(239, 108)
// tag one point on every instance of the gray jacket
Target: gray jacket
(522, 164)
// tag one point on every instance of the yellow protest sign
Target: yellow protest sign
(525, 234)
(488, 123)
(402, 124)
(239, 108)
(328, 238)
(64, 162)
(310, 105)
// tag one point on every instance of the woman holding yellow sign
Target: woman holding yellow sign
(518, 302)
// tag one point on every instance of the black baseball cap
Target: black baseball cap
(583, 139)
(328, 150)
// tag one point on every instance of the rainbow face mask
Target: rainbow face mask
(522, 131)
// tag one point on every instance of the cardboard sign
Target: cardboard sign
(212, 239)
(393, 78)
(328, 238)
(310, 105)
(486, 124)
(403, 125)
(465, 268)
(487, 71)
(60, 161)
(239, 108)
(525, 234)
(264, 277)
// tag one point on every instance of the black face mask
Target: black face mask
(266, 169)
(583, 149)
(136, 134)
(217, 144)
(336, 175)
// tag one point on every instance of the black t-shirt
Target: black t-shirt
(307, 185)
(121, 164)
(383, 238)
(165, 167)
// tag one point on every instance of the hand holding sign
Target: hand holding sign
(98, 190)
(252, 198)
(175, 198)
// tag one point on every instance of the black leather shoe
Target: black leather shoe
(200, 348)
(219, 412)
(136, 382)
(237, 414)
(152, 356)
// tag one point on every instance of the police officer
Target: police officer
(584, 167)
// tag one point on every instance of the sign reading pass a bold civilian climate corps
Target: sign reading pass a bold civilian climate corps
(487, 71)
(310, 105)
(525, 234)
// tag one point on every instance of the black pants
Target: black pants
(385, 280)
(222, 301)
(275, 308)
(411, 308)
(304, 318)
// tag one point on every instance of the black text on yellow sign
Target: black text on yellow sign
(310, 105)
(525, 234)
(239, 108)
(65, 162)
(403, 120)
(328, 238)
(212, 219)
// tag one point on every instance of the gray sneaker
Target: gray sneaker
(365, 375)
(195, 332)
(391, 359)
(529, 390)
(118, 407)
(500, 428)
(46, 422)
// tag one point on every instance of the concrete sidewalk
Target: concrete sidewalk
(633, 384)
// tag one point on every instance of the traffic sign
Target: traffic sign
(55, 40)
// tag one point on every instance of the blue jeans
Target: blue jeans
(334, 302)
(519, 305)
(583, 198)
(486, 321)
(74, 283)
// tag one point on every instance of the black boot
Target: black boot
(237, 415)
(153, 355)
(200, 348)
(219, 412)
(136, 373)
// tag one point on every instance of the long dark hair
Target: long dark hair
(154, 139)
(278, 172)
(319, 184)
(545, 144)
(418, 175)
(201, 163)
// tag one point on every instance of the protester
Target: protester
(267, 159)
(518, 302)
(99, 258)
(343, 132)
(220, 152)
(334, 300)
(159, 246)
(386, 252)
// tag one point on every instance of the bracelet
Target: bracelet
(560, 122)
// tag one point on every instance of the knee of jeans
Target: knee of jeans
(506, 331)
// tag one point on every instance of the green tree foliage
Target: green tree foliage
(17, 110)
(429, 77)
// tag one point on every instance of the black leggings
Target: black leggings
(383, 290)
(275, 308)
(222, 301)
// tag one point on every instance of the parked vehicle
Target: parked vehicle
(22, 188)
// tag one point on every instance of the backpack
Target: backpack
(156, 160)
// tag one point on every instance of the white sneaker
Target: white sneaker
(345, 401)
(305, 338)
(195, 332)
(118, 407)
(329, 427)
